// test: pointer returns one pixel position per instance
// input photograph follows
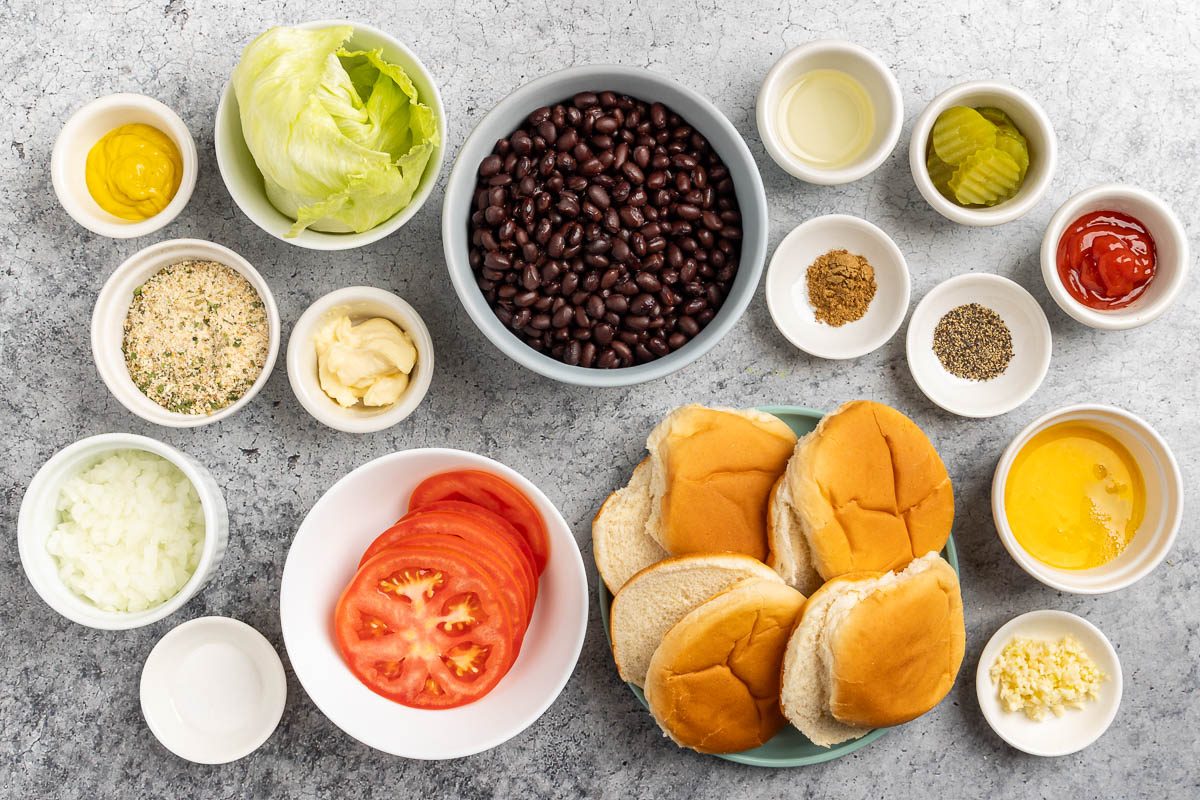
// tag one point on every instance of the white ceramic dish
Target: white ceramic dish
(213, 690)
(361, 303)
(245, 182)
(39, 516)
(112, 306)
(1076, 728)
(1030, 336)
(787, 290)
(1171, 245)
(1164, 501)
(1029, 118)
(323, 558)
(86, 127)
(645, 85)
(862, 65)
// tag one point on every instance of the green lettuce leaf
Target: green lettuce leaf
(340, 136)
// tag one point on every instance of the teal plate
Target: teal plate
(789, 747)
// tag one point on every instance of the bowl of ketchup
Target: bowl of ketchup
(1114, 257)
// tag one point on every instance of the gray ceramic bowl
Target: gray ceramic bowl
(644, 85)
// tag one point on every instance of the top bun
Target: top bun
(874, 650)
(713, 470)
(865, 491)
(713, 683)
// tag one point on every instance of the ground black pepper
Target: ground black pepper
(972, 342)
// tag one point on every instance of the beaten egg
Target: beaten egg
(1074, 497)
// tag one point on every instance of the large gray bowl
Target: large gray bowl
(644, 85)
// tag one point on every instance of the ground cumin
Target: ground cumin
(841, 286)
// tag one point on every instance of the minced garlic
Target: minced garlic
(1043, 678)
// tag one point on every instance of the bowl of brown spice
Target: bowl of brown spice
(978, 345)
(837, 287)
(185, 333)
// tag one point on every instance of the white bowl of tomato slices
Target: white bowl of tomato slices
(434, 603)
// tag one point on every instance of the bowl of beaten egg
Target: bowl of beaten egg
(1087, 499)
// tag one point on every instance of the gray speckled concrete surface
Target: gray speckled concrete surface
(1119, 80)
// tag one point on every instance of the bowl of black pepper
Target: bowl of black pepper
(604, 226)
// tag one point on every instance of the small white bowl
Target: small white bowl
(245, 182)
(319, 565)
(112, 306)
(1164, 501)
(1029, 118)
(1171, 244)
(39, 516)
(787, 289)
(213, 690)
(1030, 336)
(1076, 728)
(862, 65)
(360, 303)
(87, 126)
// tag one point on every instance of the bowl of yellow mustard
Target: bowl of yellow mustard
(360, 359)
(124, 166)
(1088, 499)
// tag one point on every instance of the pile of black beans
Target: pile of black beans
(605, 231)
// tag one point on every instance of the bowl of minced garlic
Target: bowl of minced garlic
(360, 359)
(124, 165)
(1049, 683)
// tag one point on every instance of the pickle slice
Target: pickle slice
(1013, 143)
(960, 131)
(997, 118)
(940, 173)
(986, 178)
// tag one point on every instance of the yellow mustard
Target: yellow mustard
(370, 361)
(134, 171)
(1074, 497)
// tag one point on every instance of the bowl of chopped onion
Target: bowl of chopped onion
(117, 531)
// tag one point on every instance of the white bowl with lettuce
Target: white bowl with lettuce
(329, 135)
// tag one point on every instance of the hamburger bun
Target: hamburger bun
(873, 650)
(713, 683)
(864, 492)
(653, 600)
(711, 478)
(620, 543)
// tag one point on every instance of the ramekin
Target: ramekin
(112, 306)
(68, 161)
(1164, 501)
(862, 65)
(1029, 118)
(359, 302)
(39, 516)
(1170, 241)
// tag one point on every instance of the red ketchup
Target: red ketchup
(1106, 259)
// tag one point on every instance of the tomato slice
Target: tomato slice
(509, 584)
(425, 628)
(496, 495)
(487, 542)
(490, 518)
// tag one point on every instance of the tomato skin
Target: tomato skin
(390, 644)
(496, 495)
(492, 519)
(487, 538)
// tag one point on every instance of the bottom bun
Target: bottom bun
(713, 683)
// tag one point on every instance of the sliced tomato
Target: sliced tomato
(496, 495)
(508, 581)
(493, 520)
(487, 542)
(425, 627)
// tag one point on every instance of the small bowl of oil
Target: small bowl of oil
(829, 112)
(1088, 499)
